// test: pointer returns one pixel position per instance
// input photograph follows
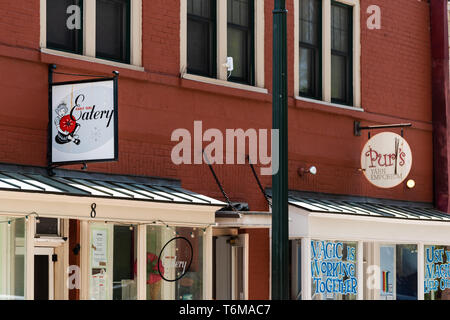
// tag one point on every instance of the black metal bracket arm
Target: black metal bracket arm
(51, 167)
(358, 128)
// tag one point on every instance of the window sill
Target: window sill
(224, 83)
(91, 59)
(330, 104)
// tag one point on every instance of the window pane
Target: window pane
(179, 273)
(338, 77)
(200, 37)
(406, 272)
(334, 271)
(240, 39)
(310, 48)
(391, 271)
(201, 8)
(112, 24)
(113, 262)
(295, 275)
(238, 12)
(47, 226)
(237, 48)
(340, 28)
(59, 36)
(12, 255)
(437, 273)
(309, 21)
(306, 70)
(198, 48)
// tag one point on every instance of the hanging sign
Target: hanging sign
(84, 121)
(386, 160)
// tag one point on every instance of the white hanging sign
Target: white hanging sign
(83, 120)
(386, 160)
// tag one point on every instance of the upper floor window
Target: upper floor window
(241, 40)
(63, 34)
(104, 29)
(310, 42)
(113, 30)
(341, 53)
(215, 33)
(201, 37)
(327, 58)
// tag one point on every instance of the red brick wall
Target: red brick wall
(396, 87)
(259, 263)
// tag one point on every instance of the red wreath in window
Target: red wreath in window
(152, 268)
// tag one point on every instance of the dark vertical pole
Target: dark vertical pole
(280, 235)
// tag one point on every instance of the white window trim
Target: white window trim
(222, 48)
(89, 41)
(326, 52)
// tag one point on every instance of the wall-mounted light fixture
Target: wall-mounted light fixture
(411, 184)
(302, 171)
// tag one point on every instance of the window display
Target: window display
(334, 270)
(437, 273)
(12, 255)
(112, 263)
(174, 263)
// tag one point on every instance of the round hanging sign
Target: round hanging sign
(386, 160)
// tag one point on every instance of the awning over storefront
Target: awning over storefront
(328, 216)
(142, 198)
(361, 206)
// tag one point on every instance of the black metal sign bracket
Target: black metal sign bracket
(357, 128)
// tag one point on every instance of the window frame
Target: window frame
(317, 81)
(127, 26)
(222, 41)
(326, 56)
(89, 36)
(80, 45)
(348, 100)
(250, 32)
(212, 65)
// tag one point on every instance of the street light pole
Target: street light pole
(280, 228)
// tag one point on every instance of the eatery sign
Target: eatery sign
(386, 160)
(83, 121)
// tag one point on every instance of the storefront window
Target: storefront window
(391, 271)
(334, 270)
(12, 255)
(174, 263)
(295, 275)
(437, 273)
(112, 263)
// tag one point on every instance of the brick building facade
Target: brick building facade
(393, 85)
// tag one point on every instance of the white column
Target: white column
(296, 48)
(360, 268)
(420, 271)
(207, 264)
(43, 23)
(89, 28)
(222, 40)
(259, 43)
(326, 50)
(85, 263)
(141, 278)
(29, 258)
(306, 269)
(136, 32)
(183, 37)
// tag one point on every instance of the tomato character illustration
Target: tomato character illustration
(67, 126)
